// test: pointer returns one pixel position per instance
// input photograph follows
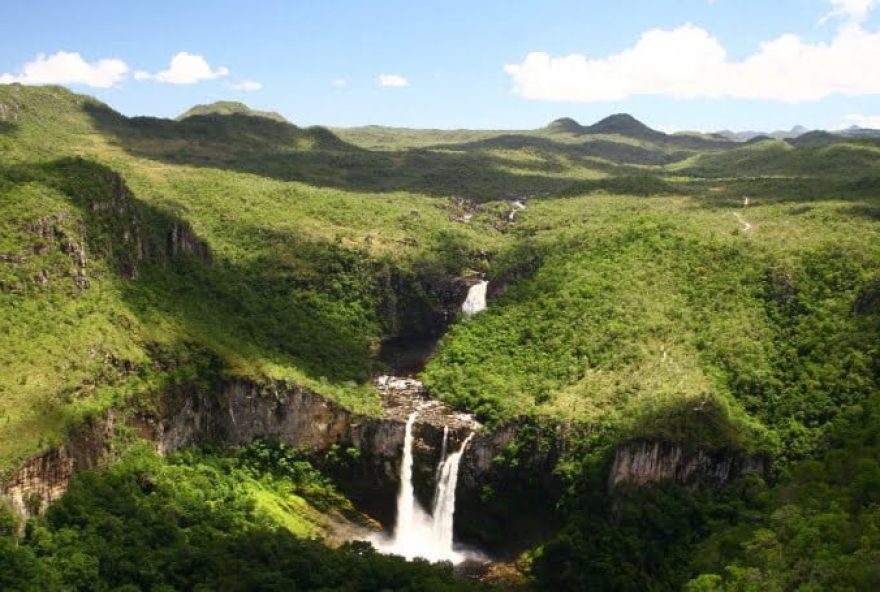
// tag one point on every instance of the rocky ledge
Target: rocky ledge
(403, 396)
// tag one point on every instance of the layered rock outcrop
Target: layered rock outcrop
(645, 462)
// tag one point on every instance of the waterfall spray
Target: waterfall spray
(417, 533)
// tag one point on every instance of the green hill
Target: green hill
(639, 297)
(229, 108)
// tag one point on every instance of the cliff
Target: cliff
(502, 469)
(238, 412)
(645, 462)
(45, 478)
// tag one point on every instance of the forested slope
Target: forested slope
(715, 298)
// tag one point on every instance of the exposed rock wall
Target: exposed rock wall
(45, 478)
(182, 240)
(644, 462)
(238, 412)
(508, 487)
(243, 411)
(421, 304)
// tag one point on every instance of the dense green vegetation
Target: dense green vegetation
(661, 318)
(200, 521)
(641, 305)
(816, 528)
(722, 297)
(299, 278)
(223, 108)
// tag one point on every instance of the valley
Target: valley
(239, 353)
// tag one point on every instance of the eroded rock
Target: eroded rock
(645, 462)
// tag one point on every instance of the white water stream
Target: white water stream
(476, 299)
(418, 533)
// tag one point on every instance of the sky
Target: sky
(480, 64)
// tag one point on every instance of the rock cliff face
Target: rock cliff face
(644, 462)
(45, 478)
(240, 411)
(422, 304)
(237, 413)
(243, 411)
(182, 240)
(508, 489)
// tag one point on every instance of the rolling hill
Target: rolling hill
(678, 367)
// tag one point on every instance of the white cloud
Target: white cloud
(687, 62)
(869, 121)
(69, 68)
(851, 10)
(246, 85)
(393, 80)
(340, 83)
(184, 68)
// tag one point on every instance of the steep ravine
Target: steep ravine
(240, 411)
(418, 308)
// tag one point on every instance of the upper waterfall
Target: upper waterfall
(476, 299)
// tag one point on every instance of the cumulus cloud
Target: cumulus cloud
(69, 68)
(687, 62)
(340, 83)
(869, 121)
(852, 10)
(185, 68)
(246, 85)
(393, 80)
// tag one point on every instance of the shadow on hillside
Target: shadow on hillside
(7, 127)
(317, 157)
(706, 423)
(265, 311)
(584, 153)
(871, 212)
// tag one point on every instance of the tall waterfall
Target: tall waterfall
(407, 505)
(442, 458)
(476, 299)
(417, 533)
(444, 505)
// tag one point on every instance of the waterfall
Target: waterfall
(476, 299)
(417, 533)
(444, 506)
(406, 499)
(442, 457)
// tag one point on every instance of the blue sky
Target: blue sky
(476, 64)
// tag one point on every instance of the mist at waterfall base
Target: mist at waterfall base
(418, 533)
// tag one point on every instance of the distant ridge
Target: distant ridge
(621, 124)
(230, 108)
(751, 135)
(625, 124)
(565, 125)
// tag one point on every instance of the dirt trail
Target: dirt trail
(745, 224)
